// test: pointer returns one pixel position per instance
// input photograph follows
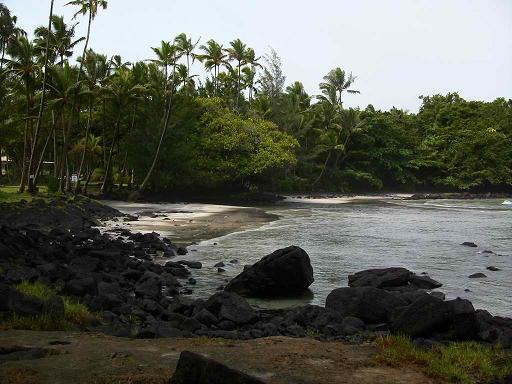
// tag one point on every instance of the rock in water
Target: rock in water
(380, 278)
(197, 369)
(369, 304)
(284, 272)
(469, 244)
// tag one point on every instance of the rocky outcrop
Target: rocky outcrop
(389, 278)
(284, 272)
(76, 214)
(231, 307)
(369, 304)
(422, 317)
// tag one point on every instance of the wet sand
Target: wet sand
(189, 223)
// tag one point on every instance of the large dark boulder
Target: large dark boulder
(380, 278)
(230, 306)
(494, 329)
(371, 305)
(426, 315)
(198, 369)
(464, 319)
(284, 272)
(395, 279)
(424, 282)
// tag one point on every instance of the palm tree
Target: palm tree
(335, 83)
(212, 59)
(63, 93)
(31, 165)
(183, 77)
(186, 47)
(90, 7)
(166, 57)
(116, 62)
(250, 72)
(61, 39)
(166, 119)
(248, 77)
(96, 69)
(23, 65)
(238, 53)
(8, 31)
(121, 91)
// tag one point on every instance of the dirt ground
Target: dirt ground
(63, 358)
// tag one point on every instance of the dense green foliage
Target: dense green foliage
(153, 124)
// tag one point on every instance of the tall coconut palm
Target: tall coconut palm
(335, 83)
(166, 57)
(31, 164)
(8, 31)
(90, 7)
(23, 65)
(96, 70)
(183, 77)
(62, 39)
(238, 52)
(186, 47)
(212, 58)
(167, 117)
(121, 92)
(63, 93)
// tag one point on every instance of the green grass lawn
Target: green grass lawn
(461, 362)
(9, 194)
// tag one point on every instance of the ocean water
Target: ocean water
(346, 236)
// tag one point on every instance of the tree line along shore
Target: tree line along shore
(103, 123)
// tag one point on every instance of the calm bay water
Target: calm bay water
(423, 236)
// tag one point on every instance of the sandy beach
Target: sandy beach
(189, 223)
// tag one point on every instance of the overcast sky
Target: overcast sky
(398, 49)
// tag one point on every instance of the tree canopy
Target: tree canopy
(153, 124)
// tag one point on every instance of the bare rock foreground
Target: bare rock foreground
(64, 357)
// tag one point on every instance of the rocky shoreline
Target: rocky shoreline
(135, 297)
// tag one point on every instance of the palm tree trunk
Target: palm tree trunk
(54, 147)
(238, 86)
(323, 169)
(23, 161)
(75, 98)
(41, 157)
(25, 142)
(162, 136)
(32, 186)
(4, 44)
(87, 129)
(110, 155)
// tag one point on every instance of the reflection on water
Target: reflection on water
(346, 238)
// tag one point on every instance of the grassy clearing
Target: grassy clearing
(463, 362)
(75, 313)
(9, 194)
